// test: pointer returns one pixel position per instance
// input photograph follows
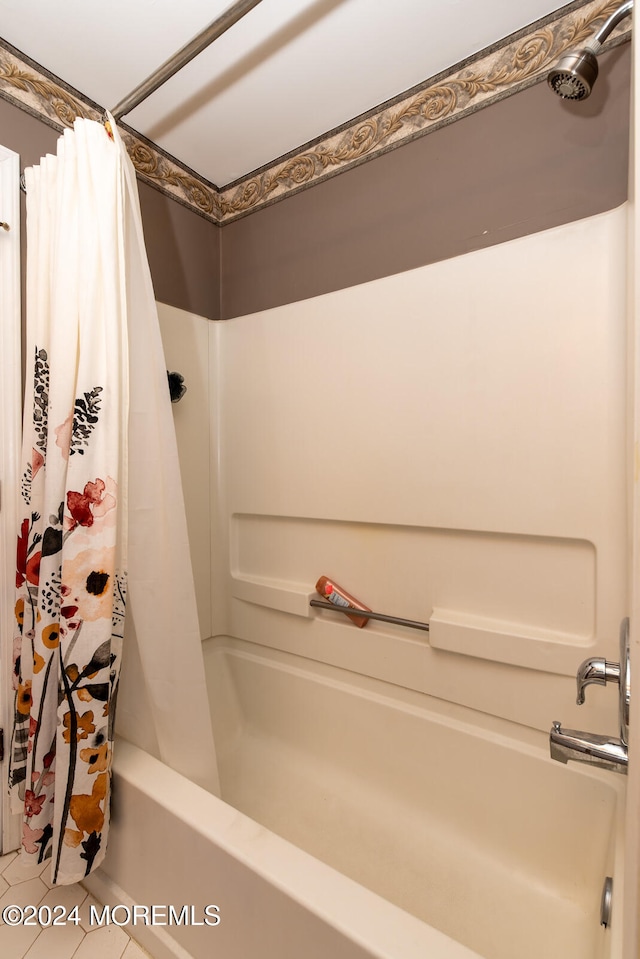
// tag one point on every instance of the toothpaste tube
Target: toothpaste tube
(334, 594)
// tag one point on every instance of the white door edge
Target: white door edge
(10, 430)
(631, 899)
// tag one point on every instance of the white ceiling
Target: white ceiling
(288, 72)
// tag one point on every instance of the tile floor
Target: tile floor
(29, 886)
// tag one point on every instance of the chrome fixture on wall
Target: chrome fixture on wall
(574, 75)
(604, 751)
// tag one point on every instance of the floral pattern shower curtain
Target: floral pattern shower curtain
(71, 557)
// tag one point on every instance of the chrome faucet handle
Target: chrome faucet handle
(596, 670)
(601, 672)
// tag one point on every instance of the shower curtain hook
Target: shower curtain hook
(23, 184)
(108, 123)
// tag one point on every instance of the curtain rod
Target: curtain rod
(183, 56)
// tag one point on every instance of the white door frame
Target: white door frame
(631, 908)
(10, 431)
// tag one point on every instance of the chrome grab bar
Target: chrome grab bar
(397, 620)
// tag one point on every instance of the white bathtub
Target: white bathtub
(361, 820)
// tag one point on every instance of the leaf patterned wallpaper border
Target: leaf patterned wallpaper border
(512, 65)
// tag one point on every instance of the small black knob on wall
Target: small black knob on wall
(177, 389)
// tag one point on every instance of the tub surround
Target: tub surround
(502, 522)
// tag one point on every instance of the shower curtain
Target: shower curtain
(100, 493)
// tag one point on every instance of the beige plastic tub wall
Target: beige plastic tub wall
(449, 445)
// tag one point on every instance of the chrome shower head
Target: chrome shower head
(573, 76)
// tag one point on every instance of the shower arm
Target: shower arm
(609, 26)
